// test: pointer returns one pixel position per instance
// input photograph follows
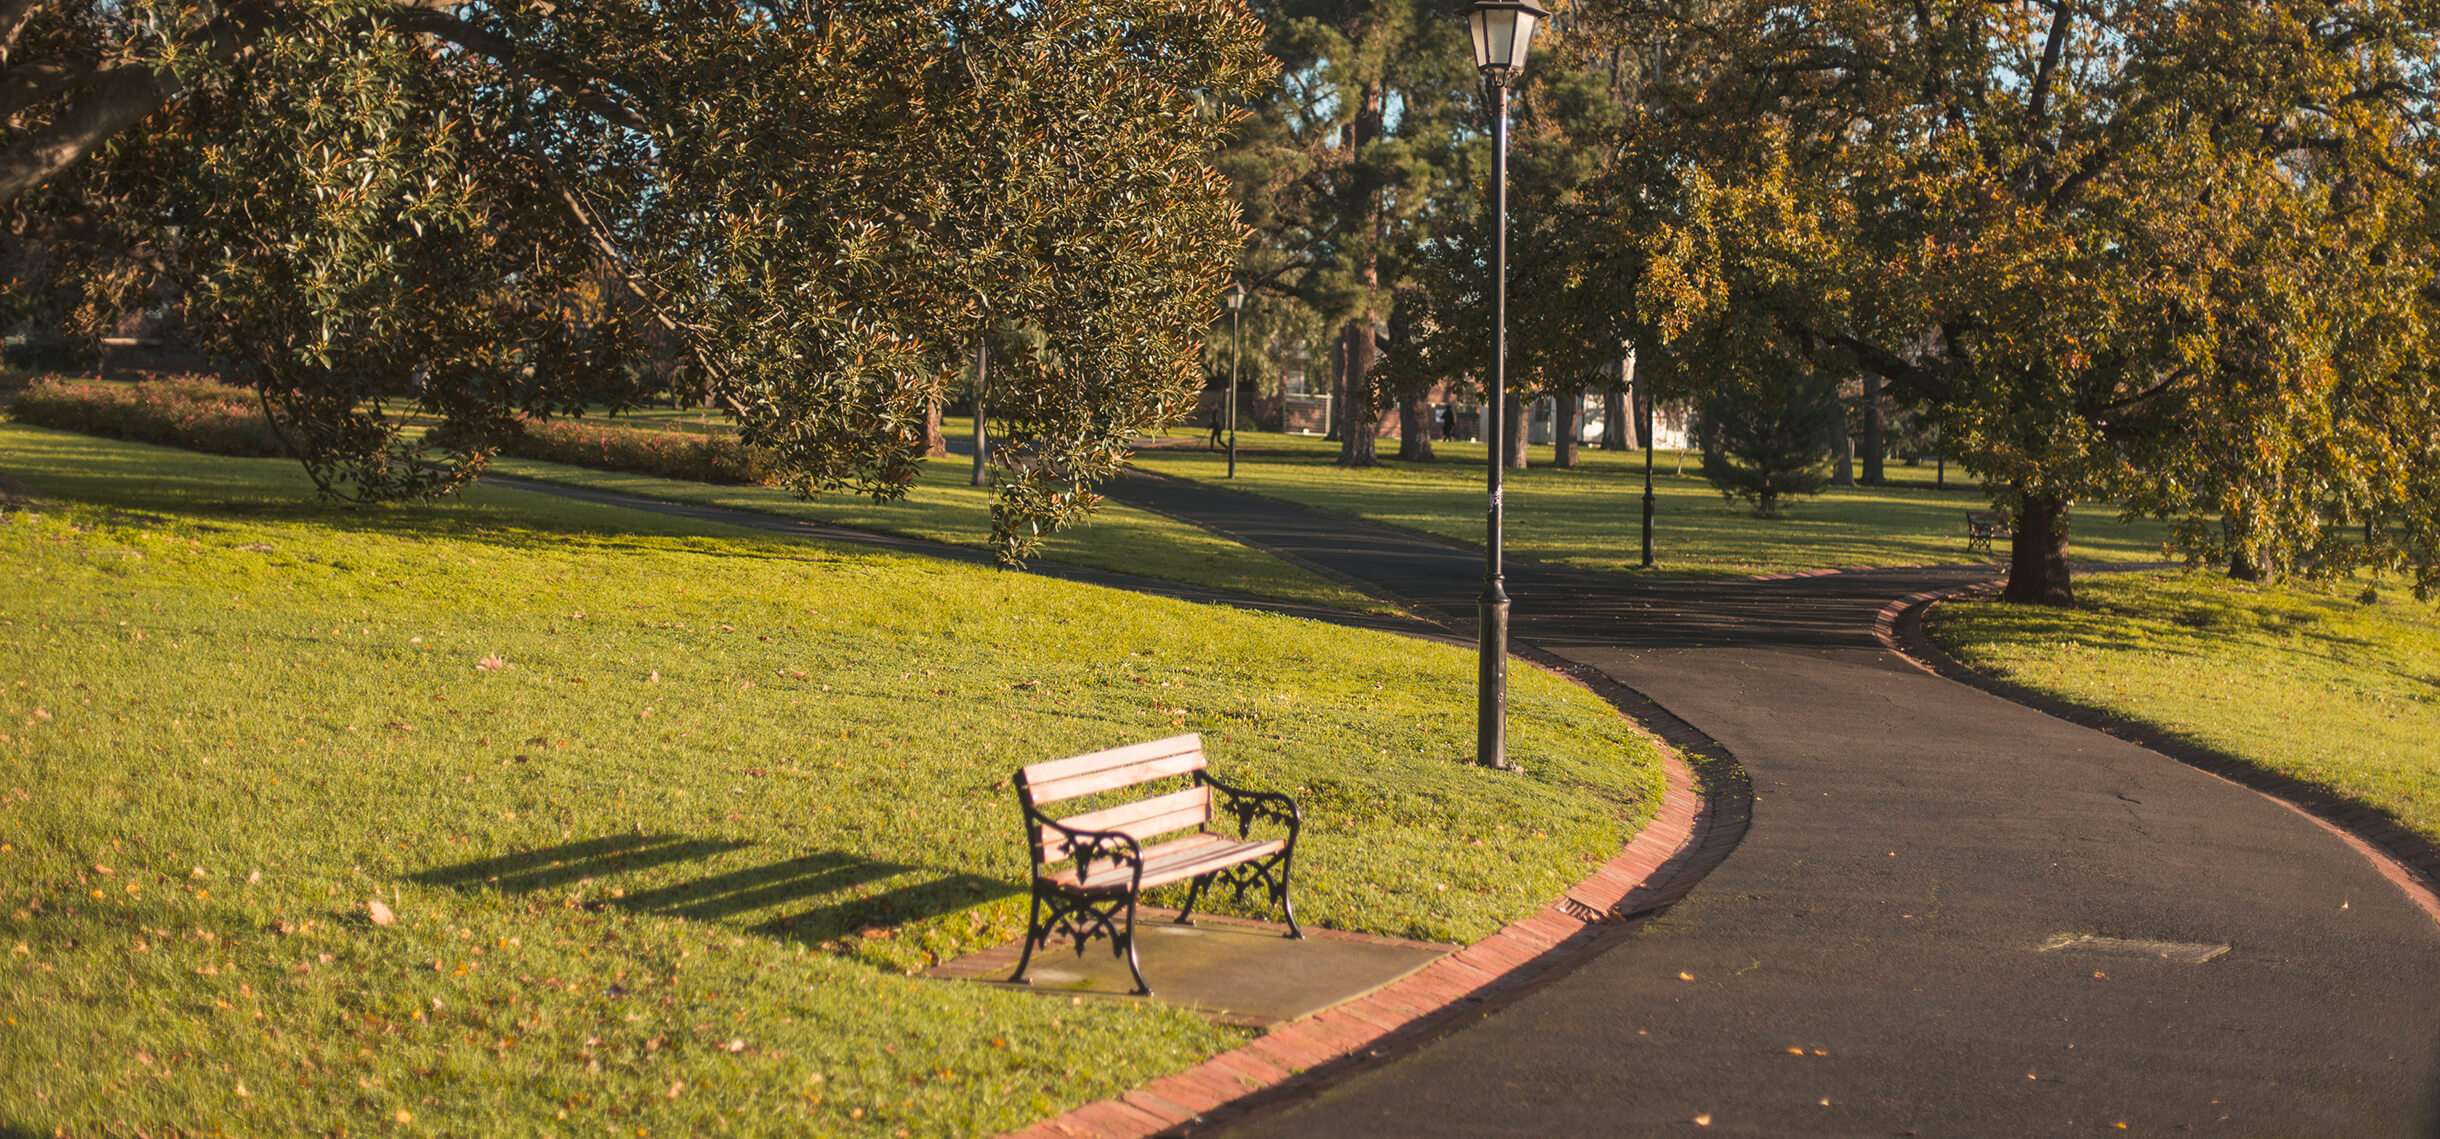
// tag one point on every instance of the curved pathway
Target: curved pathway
(1871, 959)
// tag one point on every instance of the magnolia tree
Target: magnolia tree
(467, 215)
(2174, 256)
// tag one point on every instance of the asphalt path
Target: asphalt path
(1871, 960)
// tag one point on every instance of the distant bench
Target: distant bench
(1984, 527)
(1108, 865)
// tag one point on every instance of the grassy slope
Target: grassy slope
(713, 763)
(2302, 680)
(1593, 515)
(941, 508)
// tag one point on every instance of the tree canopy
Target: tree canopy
(386, 216)
(2174, 255)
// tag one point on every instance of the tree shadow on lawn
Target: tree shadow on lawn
(837, 880)
(140, 485)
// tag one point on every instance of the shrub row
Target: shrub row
(709, 458)
(195, 412)
(202, 414)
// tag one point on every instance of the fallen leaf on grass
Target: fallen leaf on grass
(490, 664)
(380, 914)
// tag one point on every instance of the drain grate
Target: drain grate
(2182, 952)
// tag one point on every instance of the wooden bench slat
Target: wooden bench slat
(1113, 768)
(1171, 862)
(1140, 820)
(1112, 778)
(1114, 757)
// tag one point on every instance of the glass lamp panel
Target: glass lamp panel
(1520, 39)
(1479, 21)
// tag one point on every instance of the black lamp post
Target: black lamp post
(1503, 30)
(1235, 296)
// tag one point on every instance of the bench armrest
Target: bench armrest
(1246, 806)
(1115, 847)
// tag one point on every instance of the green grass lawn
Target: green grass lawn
(1592, 515)
(2301, 679)
(665, 810)
(943, 506)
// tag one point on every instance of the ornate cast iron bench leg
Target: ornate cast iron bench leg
(1194, 894)
(1079, 918)
(1035, 935)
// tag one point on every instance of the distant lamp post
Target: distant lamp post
(1650, 443)
(1235, 296)
(1503, 30)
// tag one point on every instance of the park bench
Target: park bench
(1984, 527)
(1108, 864)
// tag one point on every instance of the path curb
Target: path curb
(1702, 816)
(2407, 859)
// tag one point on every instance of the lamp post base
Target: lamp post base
(1491, 704)
(1647, 529)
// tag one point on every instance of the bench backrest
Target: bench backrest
(1110, 770)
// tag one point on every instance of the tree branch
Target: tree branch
(26, 84)
(14, 16)
(583, 90)
(123, 97)
(2038, 106)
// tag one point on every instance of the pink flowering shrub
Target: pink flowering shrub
(716, 458)
(195, 412)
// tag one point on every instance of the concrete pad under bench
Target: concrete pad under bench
(1233, 970)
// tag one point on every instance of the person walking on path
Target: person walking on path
(1213, 444)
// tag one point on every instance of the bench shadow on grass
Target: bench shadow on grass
(774, 896)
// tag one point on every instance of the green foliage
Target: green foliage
(2312, 681)
(1764, 440)
(635, 788)
(196, 412)
(2176, 256)
(380, 214)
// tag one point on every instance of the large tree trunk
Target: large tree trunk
(1614, 428)
(1875, 439)
(1415, 430)
(1569, 424)
(1517, 430)
(1639, 404)
(1338, 389)
(1842, 448)
(2241, 563)
(1357, 442)
(2037, 554)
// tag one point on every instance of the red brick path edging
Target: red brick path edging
(1692, 832)
(2406, 858)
